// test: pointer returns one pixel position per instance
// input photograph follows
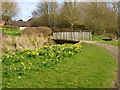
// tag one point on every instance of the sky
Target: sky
(26, 9)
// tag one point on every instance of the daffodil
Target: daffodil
(43, 62)
(30, 63)
(24, 67)
(14, 68)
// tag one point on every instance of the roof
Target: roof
(31, 19)
(21, 23)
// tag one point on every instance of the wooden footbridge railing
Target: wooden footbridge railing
(73, 35)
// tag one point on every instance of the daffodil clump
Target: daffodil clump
(11, 32)
(35, 59)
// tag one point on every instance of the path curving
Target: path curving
(113, 50)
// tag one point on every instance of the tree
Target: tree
(100, 17)
(9, 10)
(71, 13)
(48, 11)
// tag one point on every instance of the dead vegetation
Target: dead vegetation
(30, 39)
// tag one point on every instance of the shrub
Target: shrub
(38, 22)
(37, 31)
(18, 43)
(109, 35)
(60, 29)
(11, 27)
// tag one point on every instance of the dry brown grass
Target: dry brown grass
(37, 31)
(29, 39)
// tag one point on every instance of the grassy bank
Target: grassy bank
(114, 43)
(93, 67)
(99, 39)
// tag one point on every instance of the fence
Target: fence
(73, 35)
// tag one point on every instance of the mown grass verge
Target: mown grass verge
(114, 43)
(99, 39)
(93, 67)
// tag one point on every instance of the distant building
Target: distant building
(21, 23)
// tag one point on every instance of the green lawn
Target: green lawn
(114, 43)
(93, 67)
(99, 39)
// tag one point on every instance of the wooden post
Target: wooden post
(91, 35)
(80, 35)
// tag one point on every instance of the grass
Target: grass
(99, 39)
(87, 69)
(35, 59)
(11, 32)
(114, 43)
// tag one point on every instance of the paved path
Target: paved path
(113, 50)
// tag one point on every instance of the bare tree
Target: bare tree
(9, 9)
(48, 11)
(100, 17)
(71, 12)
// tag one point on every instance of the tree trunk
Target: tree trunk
(71, 27)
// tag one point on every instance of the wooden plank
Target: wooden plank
(60, 35)
(63, 36)
(53, 35)
(80, 36)
(86, 36)
(72, 36)
(69, 35)
(66, 35)
(75, 36)
(56, 35)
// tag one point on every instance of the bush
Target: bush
(11, 27)
(29, 39)
(37, 31)
(18, 43)
(110, 35)
(60, 29)
(38, 22)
